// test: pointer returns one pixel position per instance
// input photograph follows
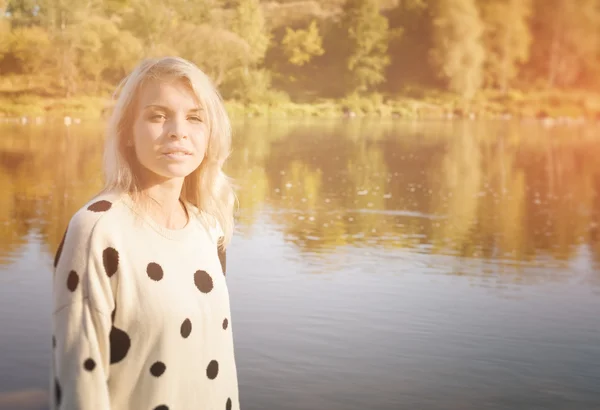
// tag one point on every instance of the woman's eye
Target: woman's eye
(196, 119)
(157, 117)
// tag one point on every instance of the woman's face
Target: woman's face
(170, 135)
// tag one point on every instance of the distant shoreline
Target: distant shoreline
(569, 106)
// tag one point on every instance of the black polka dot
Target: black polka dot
(154, 271)
(212, 370)
(72, 281)
(119, 345)
(225, 323)
(222, 255)
(89, 365)
(228, 404)
(157, 369)
(186, 328)
(57, 393)
(59, 250)
(110, 259)
(100, 206)
(161, 407)
(203, 281)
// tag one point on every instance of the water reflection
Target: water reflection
(45, 175)
(492, 191)
(508, 193)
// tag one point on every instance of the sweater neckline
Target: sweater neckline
(172, 234)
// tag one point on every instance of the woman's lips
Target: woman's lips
(176, 154)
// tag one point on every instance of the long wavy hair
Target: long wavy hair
(207, 187)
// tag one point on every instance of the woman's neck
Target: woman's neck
(163, 204)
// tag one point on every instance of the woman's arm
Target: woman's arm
(222, 252)
(81, 319)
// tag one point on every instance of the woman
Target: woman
(141, 314)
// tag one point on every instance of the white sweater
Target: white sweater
(141, 316)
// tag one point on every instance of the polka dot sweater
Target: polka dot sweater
(141, 315)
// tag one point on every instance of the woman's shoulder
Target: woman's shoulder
(208, 221)
(83, 226)
(98, 208)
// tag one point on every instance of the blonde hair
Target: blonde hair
(207, 187)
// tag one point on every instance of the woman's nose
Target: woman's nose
(177, 130)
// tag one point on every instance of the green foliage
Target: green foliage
(152, 22)
(249, 23)
(123, 51)
(21, 12)
(369, 104)
(410, 52)
(252, 86)
(279, 53)
(31, 106)
(458, 51)
(221, 54)
(5, 37)
(301, 45)
(29, 48)
(567, 40)
(507, 39)
(368, 39)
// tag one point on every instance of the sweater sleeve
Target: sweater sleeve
(81, 320)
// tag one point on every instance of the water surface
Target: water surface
(376, 265)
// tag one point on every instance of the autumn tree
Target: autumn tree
(250, 81)
(567, 40)
(29, 48)
(507, 39)
(5, 32)
(409, 51)
(103, 47)
(458, 52)
(153, 23)
(258, 51)
(249, 23)
(221, 55)
(300, 46)
(368, 37)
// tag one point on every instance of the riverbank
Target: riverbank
(431, 104)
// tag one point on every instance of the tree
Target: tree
(409, 51)
(222, 51)
(458, 52)
(62, 20)
(507, 39)
(249, 23)
(368, 37)
(567, 40)
(193, 11)
(101, 46)
(21, 12)
(152, 22)
(29, 47)
(300, 46)
(4, 35)
(123, 50)
(249, 82)
(59, 15)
